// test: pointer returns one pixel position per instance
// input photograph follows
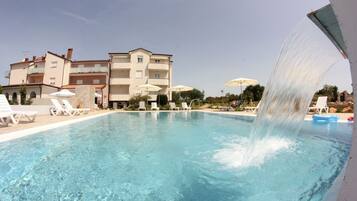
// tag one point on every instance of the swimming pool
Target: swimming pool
(167, 156)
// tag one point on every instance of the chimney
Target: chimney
(26, 59)
(33, 58)
(69, 53)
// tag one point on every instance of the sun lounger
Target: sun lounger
(74, 111)
(154, 106)
(225, 109)
(185, 106)
(252, 109)
(57, 108)
(142, 105)
(6, 117)
(321, 105)
(14, 116)
(173, 106)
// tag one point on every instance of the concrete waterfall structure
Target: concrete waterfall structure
(340, 25)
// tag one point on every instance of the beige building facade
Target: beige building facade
(137, 67)
(116, 79)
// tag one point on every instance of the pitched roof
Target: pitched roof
(137, 49)
(54, 54)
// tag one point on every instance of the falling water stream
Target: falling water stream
(305, 57)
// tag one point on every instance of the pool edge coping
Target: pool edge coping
(30, 131)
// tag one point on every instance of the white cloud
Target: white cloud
(77, 17)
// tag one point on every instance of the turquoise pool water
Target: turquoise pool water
(168, 157)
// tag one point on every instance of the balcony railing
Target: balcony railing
(158, 81)
(158, 66)
(121, 65)
(120, 81)
(35, 70)
(89, 70)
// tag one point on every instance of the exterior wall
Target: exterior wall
(47, 90)
(66, 72)
(54, 73)
(345, 11)
(18, 73)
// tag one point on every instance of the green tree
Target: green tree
(331, 91)
(23, 95)
(194, 94)
(0, 89)
(252, 93)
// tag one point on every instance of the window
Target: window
(54, 64)
(79, 81)
(140, 59)
(52, 80)
(157, 61)
(96, 81)
(33, 94)
(139, 74)
(157, 75)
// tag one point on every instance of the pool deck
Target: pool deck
(45, 122)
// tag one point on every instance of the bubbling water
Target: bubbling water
(304, 59)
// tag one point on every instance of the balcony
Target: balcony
(119, 97)
(89, 70)
(158, 81)
(121, 66)
(158, 66)
(120, 81)
(35, 70)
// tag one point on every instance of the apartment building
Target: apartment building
(139, 66)
(116, 79)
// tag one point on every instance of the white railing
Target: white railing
(89, 70)
(158, 66)
(162, 81)
(35, 70)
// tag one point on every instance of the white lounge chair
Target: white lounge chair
(321, 105)
(142, 105)
(6, 117)
(173, 106)
(14, 116)
(185, 106)
(154, 106)
(57, 108)
(74, 111)
(252, 109)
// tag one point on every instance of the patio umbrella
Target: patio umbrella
(180, 88)
(63, 93)
(148, 87)
(241, 82)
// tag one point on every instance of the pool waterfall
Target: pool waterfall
(305, 57)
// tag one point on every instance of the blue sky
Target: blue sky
(212, 41)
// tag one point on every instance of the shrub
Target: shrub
(164, 107)
(134, 101)
(162, 99)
